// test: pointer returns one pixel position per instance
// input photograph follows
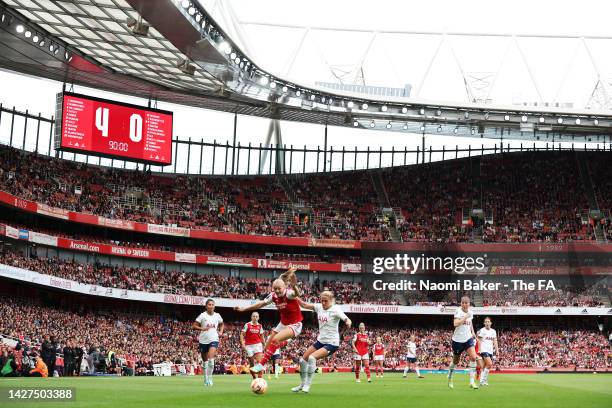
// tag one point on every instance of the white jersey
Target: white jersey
(487, 337)
(463, 332)
(210, 323)
(328, 324)
(411, 352)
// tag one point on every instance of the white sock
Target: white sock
(303, 370)
(451, 370)
(406, 370)
(312, 366)
(418, 373)
(211, 367)
(277, 369)
(205, 370)
(472, 371)
(485, 374)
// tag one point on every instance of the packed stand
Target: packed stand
(532, 197)
(183, 283)
(138, 342)
(591, 296)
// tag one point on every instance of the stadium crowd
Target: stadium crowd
(532, 197)
(184, 283)
(561, 296)
(269, 254)
(111, 341)
(219, 286)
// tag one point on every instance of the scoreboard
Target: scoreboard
(102, 127)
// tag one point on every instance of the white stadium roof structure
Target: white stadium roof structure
(204, 54)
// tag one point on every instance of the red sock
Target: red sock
(478, 373)
(367, 371)
(270, 350)
(357, 368)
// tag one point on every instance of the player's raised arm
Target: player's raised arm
(305, 305)
(290, 279)
(254, 306)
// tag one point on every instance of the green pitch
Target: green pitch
(331, 390)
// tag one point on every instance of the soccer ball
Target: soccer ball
(259, 386)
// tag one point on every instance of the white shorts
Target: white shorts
(296, 327)
(357, 357)
(379, 358)
(252, 349)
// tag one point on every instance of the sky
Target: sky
(563, 69)
(323, 40)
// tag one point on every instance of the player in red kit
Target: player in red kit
(252, 340)
(379, 357)
(361, 343)
(284, 296)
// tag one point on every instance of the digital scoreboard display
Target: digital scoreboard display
(101, 127)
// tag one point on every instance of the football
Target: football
(259, 386)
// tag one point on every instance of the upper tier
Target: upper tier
(532, 197)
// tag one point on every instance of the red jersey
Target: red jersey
(288, 307)
(379, 350)
(252, 333)
(361, 343)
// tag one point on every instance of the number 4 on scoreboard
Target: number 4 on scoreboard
(135, 124)
(102, 121)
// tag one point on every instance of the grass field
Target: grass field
(332, 390)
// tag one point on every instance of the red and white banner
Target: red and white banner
(229, 261)
(273, 264)
(167, 230)
(548, 270)
(52, 211)
(112, 223)
(186, 258)
(12, 232)
(352, 268)
(43, 239)
(332, 243)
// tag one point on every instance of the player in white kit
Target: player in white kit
(464, 339)
(411, 358)
(210, 325)
(487, 339)
(329, 316)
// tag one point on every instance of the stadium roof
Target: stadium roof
(176, 52)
